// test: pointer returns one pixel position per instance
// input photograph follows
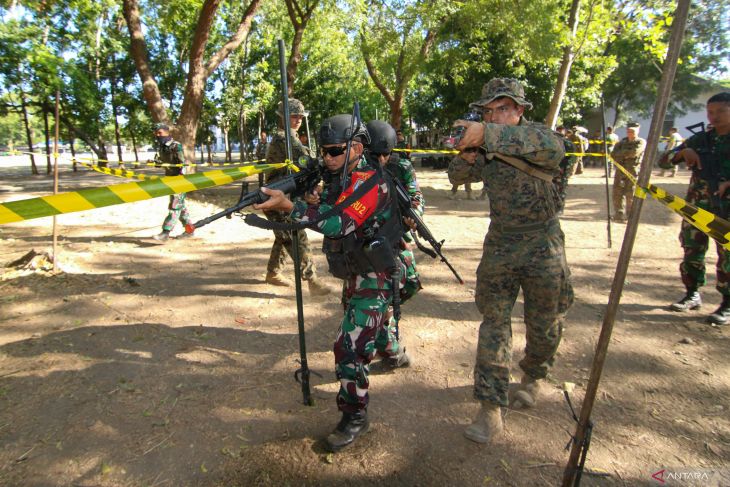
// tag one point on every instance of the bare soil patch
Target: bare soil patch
(165, 365)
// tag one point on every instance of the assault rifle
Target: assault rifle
(407, 211)
(710, 170)
(295, 184)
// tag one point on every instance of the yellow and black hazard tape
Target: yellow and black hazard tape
(88, 199)
(122, 173)
(428, 151)
(705, 221)
(164, 164)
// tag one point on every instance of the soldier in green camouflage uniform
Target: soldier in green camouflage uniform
(349, 238)
(170, 153)
(715, 142)
(380, 152)
(260, 154)
(466, 168)
(628, 153)
(523, 248)
(276, 153)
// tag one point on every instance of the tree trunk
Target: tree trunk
(134, 144)
(198, 69)
(117, 135)
(227, 144)
(562, 83)
(299, 18)
(48, 141)
(29, 138)
(241, 137)
(71, 143)
(99, 150)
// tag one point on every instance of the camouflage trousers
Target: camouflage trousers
(623, 188)
(695, 245)
(283, 246)
(365, 330)
(536, 263)
(177, 211)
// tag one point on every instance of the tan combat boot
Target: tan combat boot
(276, 279)
(317, 287)
(487, 425)
(527, 393)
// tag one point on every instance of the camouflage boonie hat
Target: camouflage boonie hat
(499, 87)
(161, 126)
(295, 108)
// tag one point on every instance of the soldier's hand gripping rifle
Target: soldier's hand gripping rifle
(407, 211)
(709, 169)
(296, 184)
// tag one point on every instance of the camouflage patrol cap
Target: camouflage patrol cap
(633, 125)
(161, 126)
(296, 107)
(501, 87)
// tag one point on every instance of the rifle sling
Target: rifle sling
(256, 221)
(522, 166)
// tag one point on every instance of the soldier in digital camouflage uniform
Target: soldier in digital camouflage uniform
(628, 153)
(466, 168)
(276, 153)
(714, 143)
(170, 156)
(352, 246)
(523, 248)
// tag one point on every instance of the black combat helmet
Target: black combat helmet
(336, 130)
(382, 137)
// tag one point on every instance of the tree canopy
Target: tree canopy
(121, 65)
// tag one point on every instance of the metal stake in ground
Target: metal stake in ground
(302, 374)
(606, 167)
(660, 110)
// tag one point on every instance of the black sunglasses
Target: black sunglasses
(383, 154)
(333, 151)
(471, 149)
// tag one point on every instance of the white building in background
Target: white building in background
(694, 116)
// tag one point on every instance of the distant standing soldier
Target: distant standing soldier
(581, 146)
(276, 153)
(628, 152)
(260, 155)
(703, 150)
(674, 140)
(170, 153)
(466, 168)
(402, 144)
(611, 140)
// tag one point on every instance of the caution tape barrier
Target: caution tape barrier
(88, 199)
(122, 173)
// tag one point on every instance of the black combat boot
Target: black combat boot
(348, 429)
(401, 359)
(691, 300)
(722, 314)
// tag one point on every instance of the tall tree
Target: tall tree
(200, 66)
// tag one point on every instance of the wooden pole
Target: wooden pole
(606, 168)
(55, 182)
(571, 475)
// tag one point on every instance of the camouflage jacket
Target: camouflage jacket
(699, 189)
(515, 197)
(171, 152)
(276, 152)
(628, 153)
(461, 171)
(402, 170)
(364, 216)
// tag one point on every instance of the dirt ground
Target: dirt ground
(172, 365)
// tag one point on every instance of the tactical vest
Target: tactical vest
(366, 249)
